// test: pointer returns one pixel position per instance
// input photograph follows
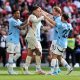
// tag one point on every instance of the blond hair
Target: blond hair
(57, 9)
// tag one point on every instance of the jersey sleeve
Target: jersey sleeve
(71, 28)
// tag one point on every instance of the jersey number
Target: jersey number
(65, 33)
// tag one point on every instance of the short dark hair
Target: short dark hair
(66, 17)
(34, 8)
(14, 11)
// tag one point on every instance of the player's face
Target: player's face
(62, 18)
(54, 12)
(38, 12)
(17, 14)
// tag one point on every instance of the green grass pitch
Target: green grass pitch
(75, 75)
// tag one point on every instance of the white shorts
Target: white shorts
(39, 47)
(32, 42)
(13, 48)
(55, 49)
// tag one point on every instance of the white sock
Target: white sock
(16, 56)
(10, 67)
(65, 64)
(10, 61)
(57, 65)
(28, 61)
(38, 62)
(53, 65)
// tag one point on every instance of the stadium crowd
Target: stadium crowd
(71, 7)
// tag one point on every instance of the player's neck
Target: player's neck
(15, 18)
(58, 15)
(64, 21)
(35, 15)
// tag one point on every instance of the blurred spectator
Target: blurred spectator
(77, 51)
(30, 4)
(3, 36)
(70, 56)
(48, 8)
(78, 17)
(73, 19)
(77, 29)
(50, 37)
(70, 8)
(23, 47)
(77, 3)
(53, 2)
(8, 7)
(13, 3)
(1, 3)
(39, 2)
(44, 40)
(25, 14)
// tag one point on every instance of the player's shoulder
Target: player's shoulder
(59, 18)
(20, 21)
(70, 25)
(59, 23)
(32, 16)
(11, 19)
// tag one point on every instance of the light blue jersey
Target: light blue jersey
(57, 19)
(14, 32)
(38, 27)
(63, 32)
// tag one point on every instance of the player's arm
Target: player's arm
(48, 23)
(47, 14)
(46, 28)
(51, 22)
(22, 26)
(24, 22)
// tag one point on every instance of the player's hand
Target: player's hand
(42, 17)
(40, 8)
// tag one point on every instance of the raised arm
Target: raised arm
(47, 14)
(53, 23)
